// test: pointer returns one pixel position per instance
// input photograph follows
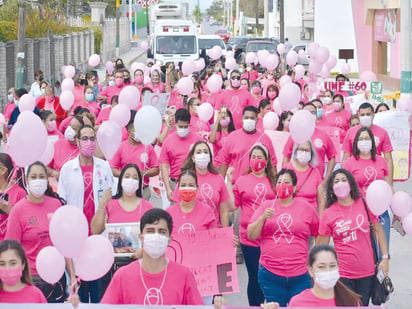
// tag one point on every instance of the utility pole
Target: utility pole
(147, 20)
(406, 61)
(265, 18)
(282, 20)
(20, 45)
(117, 28)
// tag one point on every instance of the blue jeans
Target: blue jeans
(282, 289)
(385, 221)
(251, 256)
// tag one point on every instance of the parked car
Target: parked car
(255, 45)
(208, 41)
(223, 33)
(238, 45)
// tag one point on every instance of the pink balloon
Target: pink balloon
(401, 204)
(48, 153)
(289, 96)
(272, 62)
(368, 76)
(50, 264)
(324, 73)
(95, 259)
(185, 85)
(109, 67)
(129, 96)
(301, 54)
(270, 121)
(379, 196)
(120, 114)
(285, 79)
(109, 137)
(322, 54)
(230, 63)
(66, 99)
(68, 230)
(188, 66)
(200, 64)
(216, 52)
(332, 61)
(346, 68)
(280, 48)
(28, 139)
(262, 56)
(314, 67)
(276, 107)
(291, 58)
(299, 71)
(251, 57)
(67, 84)
(312, 48)
(144, 45)
(26, 103)
(69, 71)
(205, 111)
(94, 60)
(2, 120)
(404, 103)
(63, 68)
(407, 224)
(302, 126)
(230, 54)
(214, 83)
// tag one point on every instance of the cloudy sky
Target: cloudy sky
(204, 4)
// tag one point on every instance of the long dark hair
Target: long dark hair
(355, 149)
(190, 164)
(5, 159)
(11, 244)
(343, 295)
(268, 168)
(119, 184)
(283, 117)
(231, 126)
(354, 189)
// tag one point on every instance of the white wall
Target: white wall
(293, 20)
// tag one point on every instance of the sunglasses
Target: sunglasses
(235, 77)
(86, 138)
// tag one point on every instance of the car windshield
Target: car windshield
(254, 47)
(176, 44)
(223, 31)
(209, 43)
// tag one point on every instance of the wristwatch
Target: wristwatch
(386, 256)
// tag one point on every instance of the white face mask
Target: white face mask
(249, 125)
(10, 98)
(365, 121)
(365, 146)
(326, 100)
(202, 160)
(327, 280)
(37, 187)
(130, 186)
(303, 156)
(70, 134)
(182, 132)
(155, 245)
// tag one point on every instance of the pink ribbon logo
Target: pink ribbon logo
(206, 191)
(260, 191)
(284, 223)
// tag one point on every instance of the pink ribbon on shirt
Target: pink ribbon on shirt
(370, 174)
(235, 105)
(284, 222)
(260, 191)
(360, 219)
(206, 192)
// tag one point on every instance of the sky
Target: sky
(204, 4)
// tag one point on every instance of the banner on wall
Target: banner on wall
(385, 25)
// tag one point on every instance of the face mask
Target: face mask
(341, 189)
(303, 156)
(155, 245)
(243, 87)
(224, 122)
(10, 97)
(42, 91)
(248, 69)
(272, 95)
(241, 70)
(256, 90)
(217, 69)
(126, 80)
(119, 65)
(89, 97)
(319, 112)
(87, 148)
(286, 124)
(202, 160)
(257, 164)
(327, 279)
(365, 146)
(11, 276)
(112, 83)
(16, 102)
(52, 126)
(37, 187)
(249, 125)
(130, 186)
(326, 100)
(337, 106)
(70, 134)
(187, 194)
(270, 77)
(182, 132)
(119, 81)
(365, 121)
(235, 83)
(138, 79)
(284, 190)
(41, 78)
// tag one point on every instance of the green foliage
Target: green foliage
(9, 11)
(8, 31)
(216, 10)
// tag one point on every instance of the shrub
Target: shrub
(8, 31)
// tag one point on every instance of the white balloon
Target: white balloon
(147, 124)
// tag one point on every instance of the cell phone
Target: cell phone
(397, 225)
(380, 275)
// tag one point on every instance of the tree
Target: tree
(197, 14)
(216, 10)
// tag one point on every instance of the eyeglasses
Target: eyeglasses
(86, 138)
(235, 77)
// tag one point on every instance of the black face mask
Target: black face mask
(82, 82)
(120, 66)
(41, 78)
(126, 80)
(209, 73)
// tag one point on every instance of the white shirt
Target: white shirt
(35, 90)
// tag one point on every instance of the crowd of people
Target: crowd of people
(286, 205)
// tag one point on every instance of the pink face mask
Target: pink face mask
(272, 95)
(11, 276)
(87, 148)
(341, 189)
(243, 87)
(224, 122)
(139, 79)
(119, 81)
(52, 126)
(235, 83)
(256, 90)
(337, 106)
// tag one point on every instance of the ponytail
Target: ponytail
(345, 296)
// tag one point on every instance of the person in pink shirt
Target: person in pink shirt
(267, 79)
(320, 113)
(29, 224)
(88, 102)
(327, 101)
(256, 91)
(264, 106)
(250, 73)
(112, 90)
(200, 127)
(15, 279)
(126, 77)
(105, 111)
(133, 151)
(338, 117)
(346, 220)
(222, 128)
(249, 192)
(174, 150)
(382, 142)
(236, 150)
(284, 121)
(49, 121)
(235, 99)
(10, 191)
(272, 92)
(155, 82)
(139, 79)
(283, 227)
(153, 280)
(51, 103)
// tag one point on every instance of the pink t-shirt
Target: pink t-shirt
(88, 205)
(103, 115)
(339, 120)
(250, 75)
(174, 151)
(28, 294)
(366, 171)
(284, 241)
(258, 100)
(29, 224)
(199, 219)
(15, 193)
(235, 101)
(133, 285)
(8, 110)
(176, 99)
(93, 107)
(266, 83)
(110, 92)
(200, 127)
(250, 192)
(117, 214)
(218, 145)
(236, 150)
(307, 299)
(158, 88)
(323, 145)
(63, 151)
(382, 141)
(65, 123)
(211, 193)
(143, 156)
(349, 228)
